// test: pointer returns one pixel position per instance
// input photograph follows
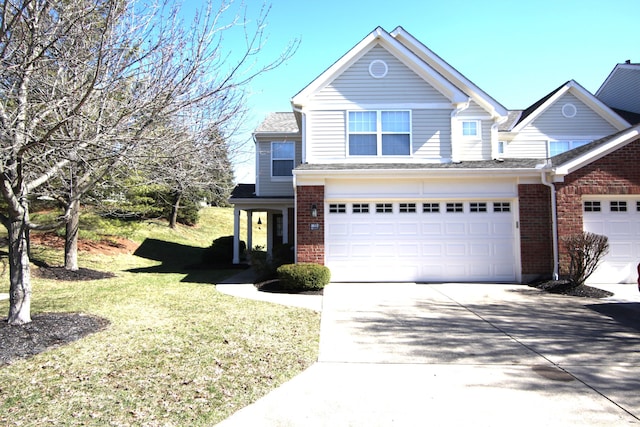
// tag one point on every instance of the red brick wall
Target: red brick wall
(310, 243)
(536, 241)
(615, 174)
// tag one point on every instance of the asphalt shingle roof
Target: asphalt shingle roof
(283, 122)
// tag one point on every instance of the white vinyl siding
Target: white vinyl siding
(266, 185)
(552, 125)
(432, 134)
(326, 137)
(400, 85)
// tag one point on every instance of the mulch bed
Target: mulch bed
(46, 330)
(61, 273)
(274, 286)
(565, 287)
(49, 330)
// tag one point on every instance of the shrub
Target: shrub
(585, 250)
(221, 251)
(303, 277)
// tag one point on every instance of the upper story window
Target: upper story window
(557, 147)
(375, 133)
(471, 128)
(282, 158)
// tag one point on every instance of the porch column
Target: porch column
(249, 230)
(236, 235)
(285, 226)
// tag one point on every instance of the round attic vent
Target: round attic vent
(569, 110)
(378, 69)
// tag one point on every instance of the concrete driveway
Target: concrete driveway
(464, 354)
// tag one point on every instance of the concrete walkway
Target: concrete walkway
(464, 354)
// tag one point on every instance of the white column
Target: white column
(249, 230)
(285, 225)
(236, 236)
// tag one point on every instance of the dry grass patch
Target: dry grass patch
(174, 353)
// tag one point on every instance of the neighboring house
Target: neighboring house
(393, 166)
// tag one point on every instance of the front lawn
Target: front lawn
(175, 351)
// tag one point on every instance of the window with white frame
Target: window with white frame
(560, 146)
(282, 158)
(379, 133)
(471, 128)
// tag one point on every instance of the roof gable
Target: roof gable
(621, 89)
(538, 108)
(379, 37)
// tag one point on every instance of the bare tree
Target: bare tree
(586, 251)
(84, 84)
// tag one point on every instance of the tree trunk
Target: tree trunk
(174, 210)
(71, 239)
(19, 273)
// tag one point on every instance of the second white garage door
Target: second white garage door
(619, 220)
(422, 241)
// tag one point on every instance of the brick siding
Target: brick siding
(536, 240)
(615, 174)
(310, 243)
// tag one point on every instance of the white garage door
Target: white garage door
(426, 241)
(619, 220)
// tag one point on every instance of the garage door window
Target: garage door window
(501, 207)
(384, 208)
(454, 207)
(431, 207)
(337, 208)
(618, 206)
(590, 206)
(478, 207)
(407, 207)
(360, 208)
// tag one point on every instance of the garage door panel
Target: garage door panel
(384, 229)
(407, 229)
(480, 249)
(476, 229)
(455, 228)
(432, 228)
(432, 249)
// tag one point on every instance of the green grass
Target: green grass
(176, 352)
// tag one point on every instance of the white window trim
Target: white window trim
(276, 178)
(478, 123)
(379, 134)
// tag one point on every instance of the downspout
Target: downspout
(257, 160)
(554, 223)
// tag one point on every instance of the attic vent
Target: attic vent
(378, 69)
(569, 110)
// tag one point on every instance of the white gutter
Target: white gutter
(554, 222)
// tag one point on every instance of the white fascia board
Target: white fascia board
(441, 66)
(304, 175)
(616, 143)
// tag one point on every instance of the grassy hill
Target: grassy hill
(175, 351)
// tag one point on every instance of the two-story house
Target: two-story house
(392, 166)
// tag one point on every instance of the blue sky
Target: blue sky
(516, 51)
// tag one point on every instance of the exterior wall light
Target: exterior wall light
(314, 211)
